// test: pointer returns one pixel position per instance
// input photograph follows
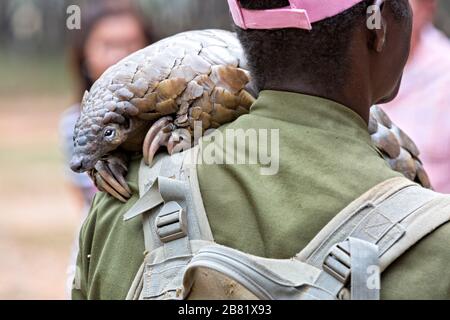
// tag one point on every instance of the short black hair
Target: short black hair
(321, 52)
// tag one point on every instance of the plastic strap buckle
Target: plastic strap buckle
(171, 222)
(338, 262)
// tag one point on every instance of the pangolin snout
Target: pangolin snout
(78, 164)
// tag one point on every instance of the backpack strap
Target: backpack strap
(373, 231)
(167, 202)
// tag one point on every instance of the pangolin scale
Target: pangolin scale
(142, 102)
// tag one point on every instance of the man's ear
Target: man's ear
(376, 25)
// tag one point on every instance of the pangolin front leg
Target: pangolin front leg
(109, 176)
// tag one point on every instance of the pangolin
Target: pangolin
(143, 102)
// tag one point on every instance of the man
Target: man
(317, 87)
(422, 107)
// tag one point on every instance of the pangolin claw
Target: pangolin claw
(109, 176)
(178, 142)
(158, 135)
(102, 185)
(164, 133)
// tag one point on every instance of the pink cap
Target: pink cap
(299, 14)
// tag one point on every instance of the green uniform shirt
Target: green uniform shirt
(326, 160)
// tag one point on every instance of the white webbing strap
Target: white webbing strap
(364, 270)
(167, 204)
(163, 277)
(384, 220)
(351, 259)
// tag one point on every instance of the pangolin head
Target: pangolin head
(99, 130)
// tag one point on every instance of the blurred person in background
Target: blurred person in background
(109, 32)
(422, 107)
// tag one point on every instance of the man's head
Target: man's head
(340, 56)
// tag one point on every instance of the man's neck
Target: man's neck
(352, 98)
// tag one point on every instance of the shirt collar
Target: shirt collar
(306, 110)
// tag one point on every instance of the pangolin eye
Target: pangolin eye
(109, 133)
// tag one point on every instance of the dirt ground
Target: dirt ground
(38, 217)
